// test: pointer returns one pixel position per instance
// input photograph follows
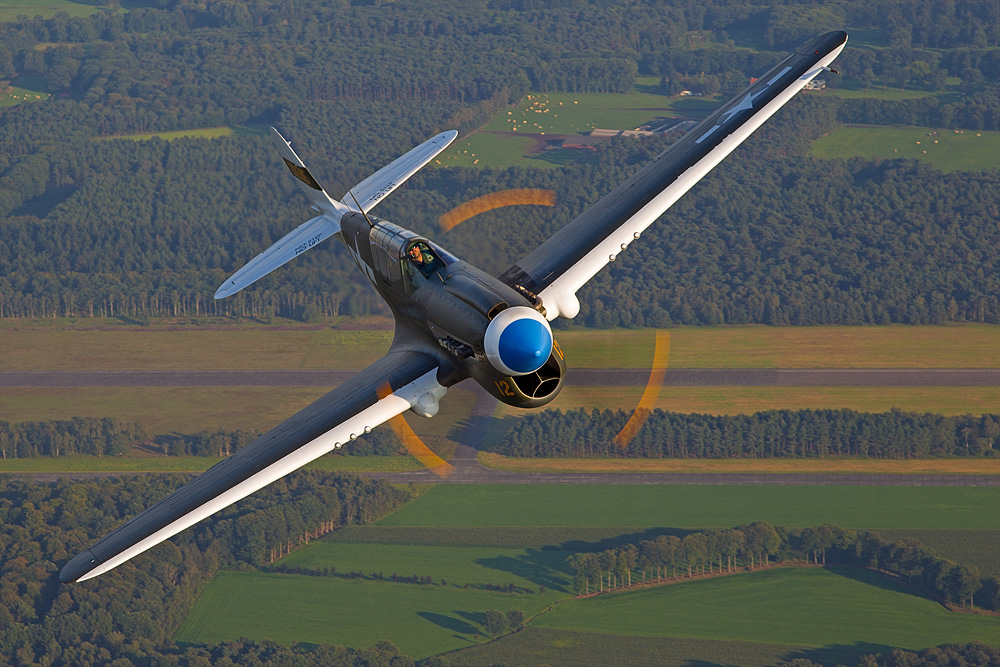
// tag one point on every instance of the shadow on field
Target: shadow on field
(540, 567)
(450, 623)
(885, 582)
(834, 654)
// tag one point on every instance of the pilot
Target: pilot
(422, 258)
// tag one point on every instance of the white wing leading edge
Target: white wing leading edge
(560, 266)
(352, 408)
(379, 185)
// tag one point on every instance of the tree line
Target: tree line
(130, 613)
(108, 436)
(948, 654)
(104, 436)
(768, 434)
(754, 545)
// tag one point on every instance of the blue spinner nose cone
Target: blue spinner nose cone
(525, 345)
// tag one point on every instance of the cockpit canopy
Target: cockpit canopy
(400, 255)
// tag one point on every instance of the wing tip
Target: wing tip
(78, 567)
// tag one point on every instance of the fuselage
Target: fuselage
(445, 307)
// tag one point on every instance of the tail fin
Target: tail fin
(368, 193)
(321, 201)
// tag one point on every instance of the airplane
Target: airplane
(452, 320)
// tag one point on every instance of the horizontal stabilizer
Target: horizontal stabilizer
(374, 189)
(290, 246)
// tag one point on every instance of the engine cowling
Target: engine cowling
(518, 341)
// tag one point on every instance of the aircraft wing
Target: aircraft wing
(351, 409)
(557, 268)
(376, 187)
(284, 250)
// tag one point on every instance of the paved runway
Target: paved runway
(581, 377)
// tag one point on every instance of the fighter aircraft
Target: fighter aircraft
(452, 321)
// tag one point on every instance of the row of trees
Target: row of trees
(105, 436)
(130, 613)
(108, 436)
(769, 434)
(949, 654)
(753, 545)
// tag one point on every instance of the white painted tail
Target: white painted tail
(368, 194)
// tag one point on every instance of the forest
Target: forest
(129, 615)
(118, 228)
(754, 545)
(769, 434)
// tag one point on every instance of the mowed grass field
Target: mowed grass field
(420, 620)
(702, 506)
(163, 410)
(811, 607)
(498, 151)
(525, 568)
(15, 95)
(947, 150)
(218, 345)
(11, 9)
(828, 465)
(537, 646)
(199, 133)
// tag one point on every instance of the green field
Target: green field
(498, 151)
(538, 647)
(575, 113)
(883, 93)
(470, 534)
(420, 620)
(503, 537)
(11, 9)
(760, 615)
(798, 606)
(525, 568)
(902, 507)
(200, 133)
(17, 95)
(540, 115)
(947, 150)
(978, 548)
